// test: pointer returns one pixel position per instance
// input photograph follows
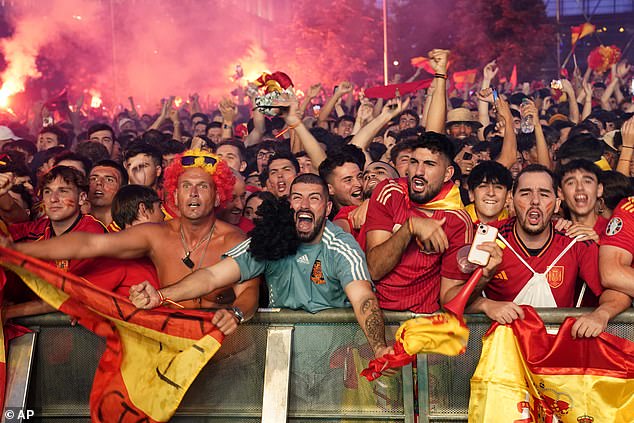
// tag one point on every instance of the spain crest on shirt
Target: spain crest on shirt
(555, 276)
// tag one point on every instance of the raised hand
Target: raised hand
(228, 110)
(313, 91)
(438, 60)
(490, 70)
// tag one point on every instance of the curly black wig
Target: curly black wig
(274, 236)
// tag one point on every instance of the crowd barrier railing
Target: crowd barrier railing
(283, 365)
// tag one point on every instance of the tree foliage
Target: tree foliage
(515, 32)
(329, 41)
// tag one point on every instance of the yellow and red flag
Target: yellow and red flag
(464, 79)
(580, 31)
(526, 375)
(151, 357)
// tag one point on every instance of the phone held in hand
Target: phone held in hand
(484, 233)
(555, 84)
(467, 156)
(47, 121)
(496, 97)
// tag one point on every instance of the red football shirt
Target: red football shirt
(414, 284)
(581, 261)
(600, 226)
(111, 274)
(344, 214)
(620, 230)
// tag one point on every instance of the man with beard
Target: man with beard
(342, 173)
(351, 218)
(414, 230)
(326, 269)
(539, 258)
(199, 182)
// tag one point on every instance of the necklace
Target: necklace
(187, 261)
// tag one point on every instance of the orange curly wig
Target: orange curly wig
(221, 173)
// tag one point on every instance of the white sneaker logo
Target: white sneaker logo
(303, 259)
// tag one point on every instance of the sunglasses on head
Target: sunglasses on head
(190, 160)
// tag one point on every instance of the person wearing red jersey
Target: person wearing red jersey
(617, 249)
(580, 189)
(64, 191)
(541, 265)
(414, 229)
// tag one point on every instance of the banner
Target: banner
(526, 375)
(151, 356)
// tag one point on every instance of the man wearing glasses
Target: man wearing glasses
(197, 182)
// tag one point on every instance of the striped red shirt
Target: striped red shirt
(414, 284)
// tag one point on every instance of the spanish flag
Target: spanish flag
(151, 357)
(526, 375)
(580, 31)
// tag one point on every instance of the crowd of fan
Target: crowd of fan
(408, 178)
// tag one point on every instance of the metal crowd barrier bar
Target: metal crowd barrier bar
(281, 366)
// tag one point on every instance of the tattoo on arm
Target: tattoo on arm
(373, 324)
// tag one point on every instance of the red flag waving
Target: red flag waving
(389, 91)
(151, 357)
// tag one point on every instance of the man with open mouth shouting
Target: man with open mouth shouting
(415, 229)
(541, 265)
(308, 263)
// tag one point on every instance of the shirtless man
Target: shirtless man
(199, 182)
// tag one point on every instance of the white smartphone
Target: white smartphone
(484, 233)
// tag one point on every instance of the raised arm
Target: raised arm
(344, 88)
(312, 93)
(572, 100)
(201, 282)
(437, 115)
(308, 141)
(229, 112)
(543, 156)
(393, 108)
(627, 149)
(489, 72)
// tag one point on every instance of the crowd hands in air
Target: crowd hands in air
(338, 201)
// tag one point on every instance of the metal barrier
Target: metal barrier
(281, 366)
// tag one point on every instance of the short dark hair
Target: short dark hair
(69, 155)
(436, 143)
(25, 145)
(93, 150)
(490, 172)
(411, 113)
(205, 118)
(237, 144)
(282, 155)
(398, 148)
(264, 176)
(140, 147)
(333, 161)
(125, 204)
(101, 127)
(578, 164)
(344, 118)
(116, 166)
(311, 178)
(581, 146)
(212, 125)
(537, 168)
(62, 136)
(173, 147)
(616, 187)
(69, 175)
